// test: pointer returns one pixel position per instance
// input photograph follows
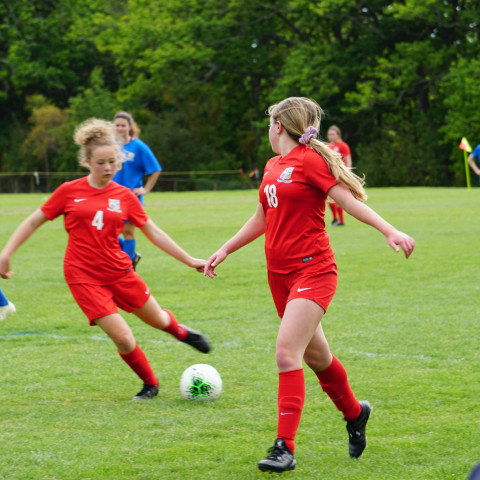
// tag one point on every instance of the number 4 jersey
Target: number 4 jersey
(94, 219)
(293, 193)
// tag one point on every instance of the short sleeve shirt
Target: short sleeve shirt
(476, 152)
(139, 161)
(342, 148)
(93, 219)
(293, 194)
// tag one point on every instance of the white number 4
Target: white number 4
(98, 220)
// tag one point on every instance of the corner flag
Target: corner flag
(465, 146)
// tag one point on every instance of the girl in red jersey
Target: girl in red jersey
(336, 143)
(99, 275)
(302, 273)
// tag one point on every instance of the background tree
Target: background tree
(399, 78)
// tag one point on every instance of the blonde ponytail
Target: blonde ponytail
(297, 114)
(339, 170)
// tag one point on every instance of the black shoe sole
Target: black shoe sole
(272, 469)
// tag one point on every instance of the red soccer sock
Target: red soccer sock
(333, 208)
(291, 396)
(340, 213)
(174, 328)
(138, 362)
(334, 383)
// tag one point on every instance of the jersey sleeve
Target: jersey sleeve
(150, 162)
(317, 172)
(136, 212)
(55, 205)
(476, 152)
(345, 150)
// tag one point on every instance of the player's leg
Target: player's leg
(122, 336)
(6, 307)
(333, 208)
(130, 243)
(340, 215)
(334, 382)
(298, 325)
(152, 314)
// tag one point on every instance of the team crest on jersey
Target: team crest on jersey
(114, 205)
(286, 175)
(126, 156)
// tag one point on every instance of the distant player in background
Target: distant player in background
(336, 143)
(302, 273)
(473, 158)
(99, 274)
(139, 161)
(6, 307)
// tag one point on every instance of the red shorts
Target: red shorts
(100, 300)
(317, 282)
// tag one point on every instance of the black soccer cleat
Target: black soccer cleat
(357, 439)
(147, 392)
(135, 261)
(279, 459)
(196, 340)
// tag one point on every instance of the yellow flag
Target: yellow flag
(464, 145)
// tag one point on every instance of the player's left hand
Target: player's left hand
(199, 264)
(139, 191)
(399, 239)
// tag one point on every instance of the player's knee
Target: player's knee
(287, 359)
(124, 341)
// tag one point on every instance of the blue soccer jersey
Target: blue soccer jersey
(139, 161)
(476, 152)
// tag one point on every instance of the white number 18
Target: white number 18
(271, 193)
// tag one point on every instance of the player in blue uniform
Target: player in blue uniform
(475, 155)
(139, 161)
(6, 307)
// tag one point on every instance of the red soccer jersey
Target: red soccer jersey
(342, 148)
(94, 219)
(293, 193)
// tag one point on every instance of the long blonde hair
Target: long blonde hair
(298, 113)
(94, 133)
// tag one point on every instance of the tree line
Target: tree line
(400, 78)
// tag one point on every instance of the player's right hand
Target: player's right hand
(5, 268)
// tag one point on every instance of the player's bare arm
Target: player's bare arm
(251, 230)
(163, 241)
(365, 214)
(19, 236)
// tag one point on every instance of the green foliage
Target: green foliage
(395, 76)
(46, 135)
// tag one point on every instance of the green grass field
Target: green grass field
(406, 331)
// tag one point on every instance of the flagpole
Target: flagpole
(467, 170)
(465, 146)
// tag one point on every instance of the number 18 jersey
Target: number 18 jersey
(293, 193)
(93, 219)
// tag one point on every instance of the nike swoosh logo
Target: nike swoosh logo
(286, 413)
(79, 200)
(302, 289)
